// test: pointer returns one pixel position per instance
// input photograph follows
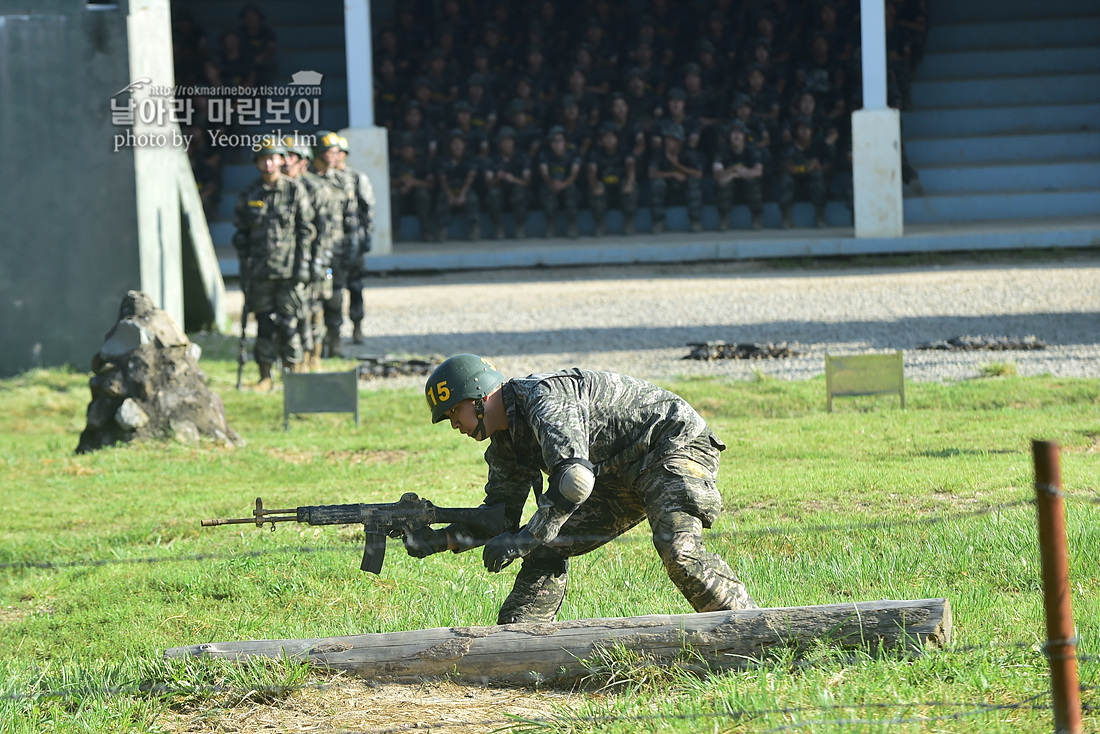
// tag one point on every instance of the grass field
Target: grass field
(104, 564)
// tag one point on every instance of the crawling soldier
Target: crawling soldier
(617, 450)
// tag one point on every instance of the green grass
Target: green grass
(105, 565)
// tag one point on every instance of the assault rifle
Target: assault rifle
(393, 519)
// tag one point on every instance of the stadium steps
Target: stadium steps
(1005, 112)
(310, 37)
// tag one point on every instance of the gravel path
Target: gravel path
(640, 319)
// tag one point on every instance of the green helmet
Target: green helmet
(269, 146)
(326, 139)
(458, 378)
(296, 147)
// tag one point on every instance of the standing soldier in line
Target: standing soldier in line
(611, 176)
(274, 221)
(617, 450)
(737, 176)
(344, 220)
(559, 168)
(508, 179)
(411, 184)
(362, 239)
(456, 173)
(311, 322)
(675, 170)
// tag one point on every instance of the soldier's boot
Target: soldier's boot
(571, 227)
(538, 591)
(724, 221)
(441, 234)
(332, 344)
(600, 228)
(788, 220)
(696, 225)
(264, 384)
(758, 221)
(659, 227)
(357, 333)
(521, 230)
(628, 224)
(498, 231)
(474, 232)
(819, 217)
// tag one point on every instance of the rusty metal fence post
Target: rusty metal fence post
(1061, 646)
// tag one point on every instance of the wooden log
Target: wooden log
(559, 650)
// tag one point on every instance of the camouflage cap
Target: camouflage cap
(741, 100)
(568, 100)
(475, 80)
(555, 131)
(462, 106)
(737, 125)
(514, 107)
(674, 131)
(456, 133)
(506, 131)
(677, 93)
(608, 127)
(692, 68)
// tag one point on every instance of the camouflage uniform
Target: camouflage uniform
(319, 288)
(452, 173)
(747, 190)
(559, 168)
(344, 220)
(499, 192)
(653, 456)
(610, 169)
(274, 235)
(361, 241)
(417, 199)
(662, 189)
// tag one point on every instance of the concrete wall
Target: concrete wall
(70, 246)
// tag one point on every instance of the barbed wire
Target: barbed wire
(974, 708)
(819, 528)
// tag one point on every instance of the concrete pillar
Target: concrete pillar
(368, 147)
(876, 137)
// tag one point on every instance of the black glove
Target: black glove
(425, 541)
(507, 547)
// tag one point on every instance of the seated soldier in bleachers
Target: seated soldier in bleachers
(477, 139)
(528, 133)
(508, 183)
(805, 169)
(612, 180)
(456, 173)
(675, 112)
(411, 186)
(641, 100)
(630, 135)
(559, 167)
(675, 174)
(258, 43)
(434, 116)
(412, 122)
(441, 78)
(738, 173)
(823, 75)
(578, 134)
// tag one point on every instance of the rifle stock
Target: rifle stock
(393, 519)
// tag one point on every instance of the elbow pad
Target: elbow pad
(570, 484)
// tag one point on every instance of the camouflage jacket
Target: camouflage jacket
(321, 196)
(364, 196)
(344, 212)
(274, 229)
(621, 425)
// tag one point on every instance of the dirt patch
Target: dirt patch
(345, 704)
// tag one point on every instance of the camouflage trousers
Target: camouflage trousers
(518, 199)
(678, 497)
(663, 190)
(812, 183)
(277, 305)
(418, 202)
(745, 190)
(311, 321)
(471, 213)
(628, 202)
(566, 200)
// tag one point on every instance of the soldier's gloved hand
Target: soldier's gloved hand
(507, 547)
(425, 541)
